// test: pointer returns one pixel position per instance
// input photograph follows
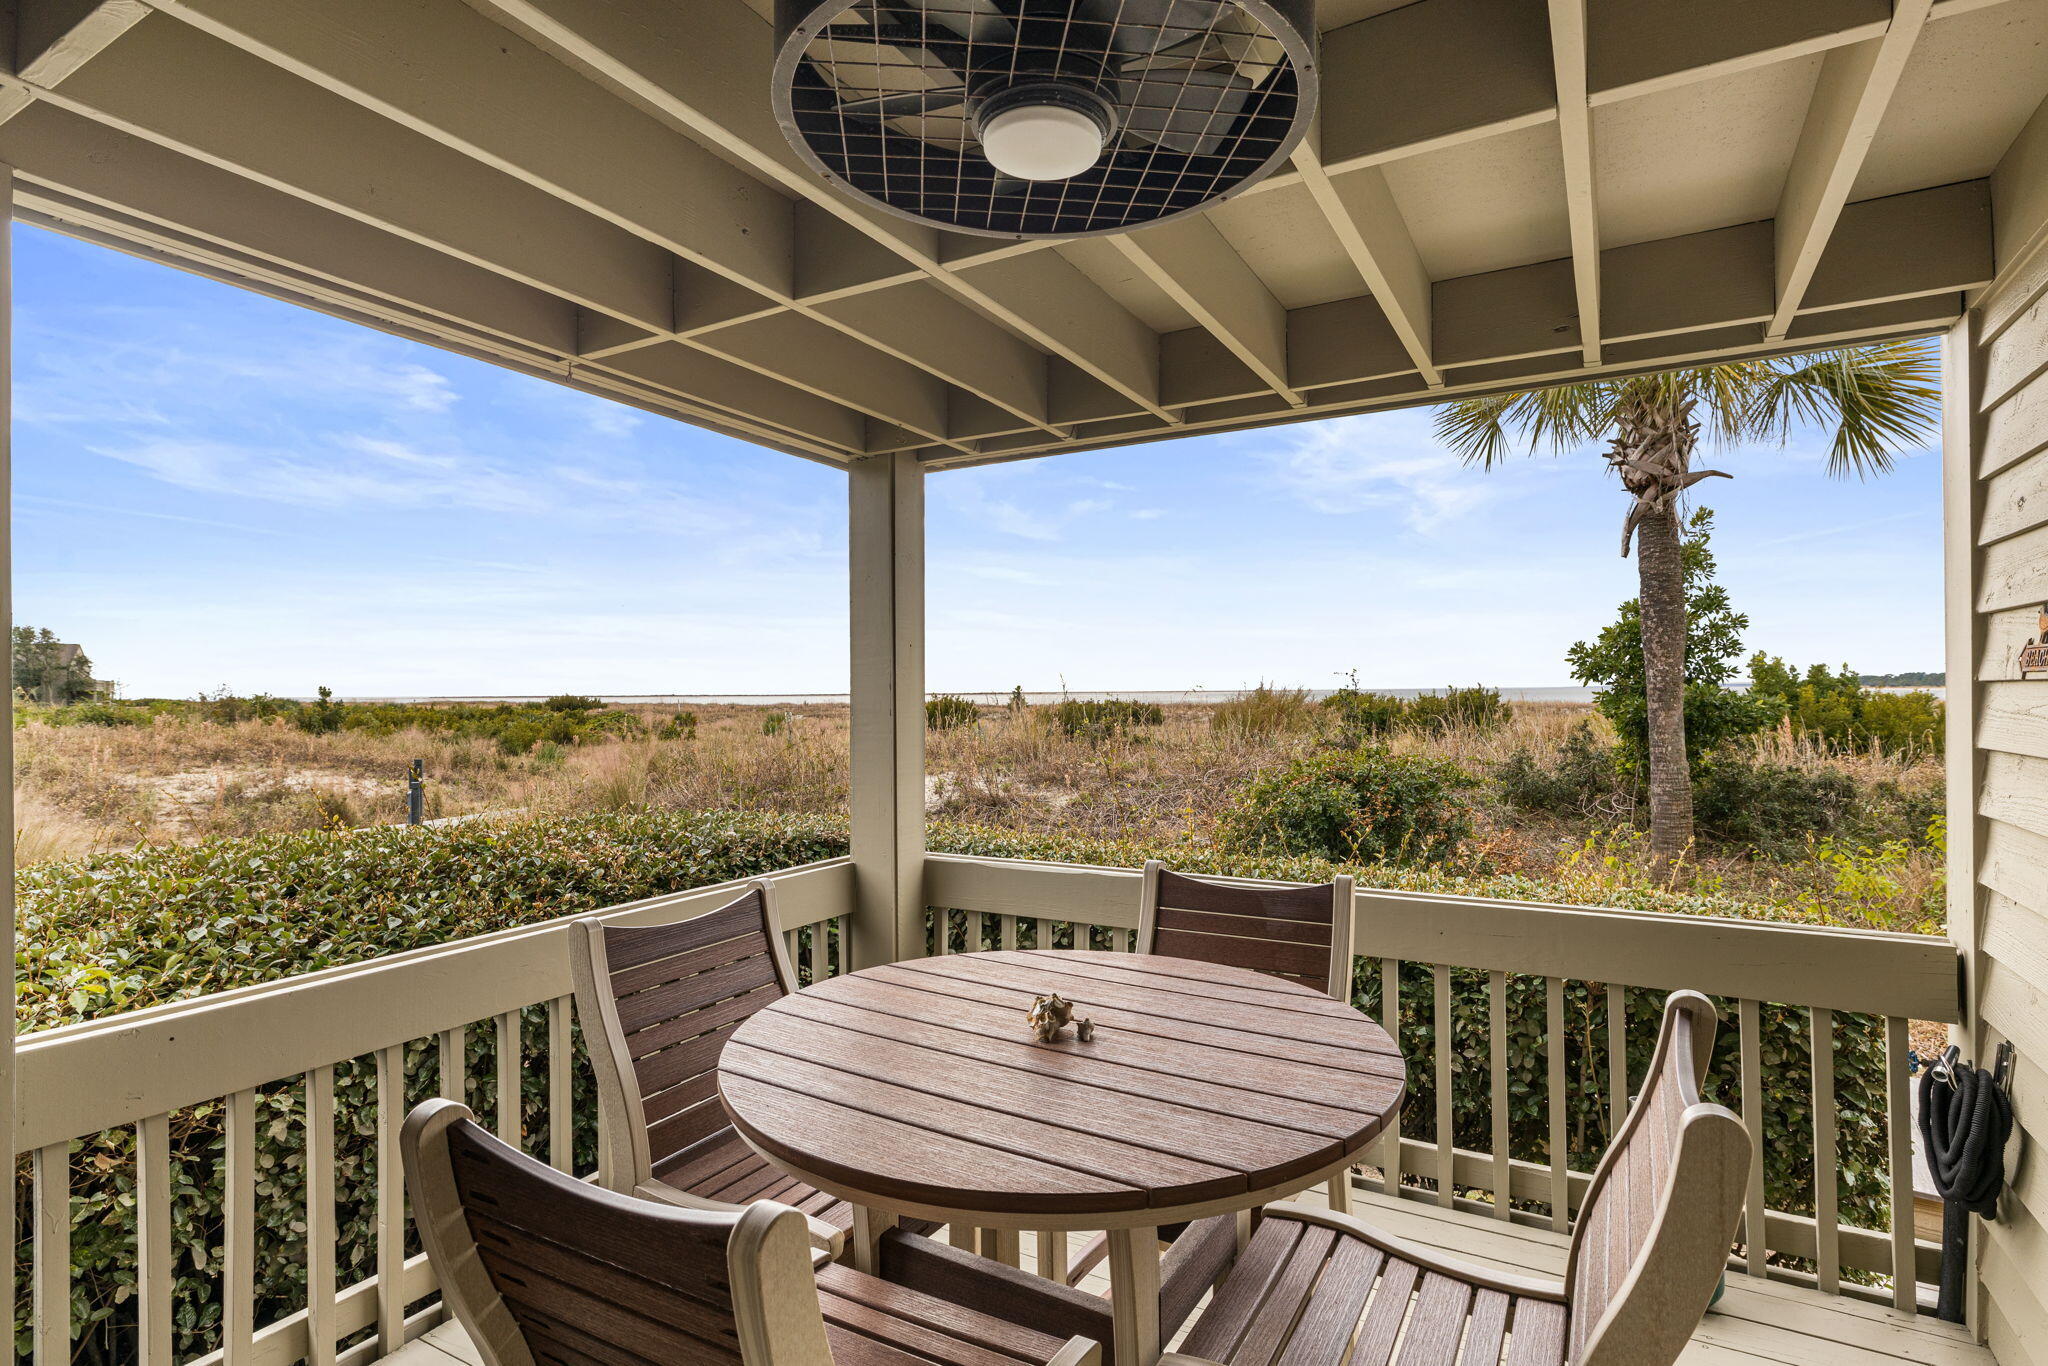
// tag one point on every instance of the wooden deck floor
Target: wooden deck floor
(1755, 1322)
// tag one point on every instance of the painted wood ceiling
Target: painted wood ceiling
(1499, 192)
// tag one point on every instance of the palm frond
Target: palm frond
(1879, 398)
(1483, 430)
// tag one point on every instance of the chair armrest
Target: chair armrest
(1429, 1259)
(828, 1241)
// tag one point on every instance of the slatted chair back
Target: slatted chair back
(658, 1003)
(1300, 933)
(545, 1270)
(1653, 1236)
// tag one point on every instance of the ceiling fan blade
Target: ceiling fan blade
(898, 27)
(1190, 112)
(907, 103)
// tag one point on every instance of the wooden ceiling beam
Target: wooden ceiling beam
(53, 38)
(1199, 270)
(1361, 210)
(115, 183)
(1849, 99)
(1575, 138)
(1930, 316)
(448, 74)
(705, 68)
(1714, 289)
(72, 155)
(163, 84)
(149, 241)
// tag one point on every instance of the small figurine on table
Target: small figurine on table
(1049, 1015)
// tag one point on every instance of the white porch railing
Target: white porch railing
(402, 1019)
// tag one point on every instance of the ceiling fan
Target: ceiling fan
(1044, 118)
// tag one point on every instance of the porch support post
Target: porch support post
(885, 547)
(7, 1113)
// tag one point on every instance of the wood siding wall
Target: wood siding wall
(1996, 445)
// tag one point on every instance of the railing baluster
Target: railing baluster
(1042, 933)
(1555, 1104)
(1755, 1228)
(153, 1256)
(1446, 1134)
(511, 1123)
(561, 1087)
(322, 1329)
(238, 1260)
(1130, 938)
(1390, 1018)
(1899, 1125)
(1497, 1048)
(454, 1063)
(390, 1200)
(942, 927)
(1009, 923)
(1617, 1057)
(50, 1296)
(1826, 1198)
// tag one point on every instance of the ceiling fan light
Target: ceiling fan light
(1042, 141)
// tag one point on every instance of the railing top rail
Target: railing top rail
(1863, 971)
(152, 1061)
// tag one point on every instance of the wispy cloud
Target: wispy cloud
(1378, 460)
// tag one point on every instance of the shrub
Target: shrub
(681, 726)
(774, 723)
(100, 714)
(946, 711)
(1263, 711)
(1835, 707)
(1475, 709)
(1584, 779)
(1369, 805)
(1110, 717)
(1771, 807)
(1363, 716)
(120, 932)
(1612, 662)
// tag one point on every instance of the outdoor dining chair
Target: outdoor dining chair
(1302, 934)
(657, 1004)
(1649, 1246)
(540, 1268)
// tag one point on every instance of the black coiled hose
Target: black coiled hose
(1965, 1120)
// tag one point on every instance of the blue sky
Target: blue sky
(213, 488)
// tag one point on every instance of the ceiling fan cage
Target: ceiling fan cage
(1195, 99)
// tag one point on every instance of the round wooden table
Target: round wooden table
(917, 1089)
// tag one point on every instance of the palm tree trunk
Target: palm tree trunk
(1662, 577)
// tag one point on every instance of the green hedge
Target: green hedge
(120, 932)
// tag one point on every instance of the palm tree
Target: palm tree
(1877, 398)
